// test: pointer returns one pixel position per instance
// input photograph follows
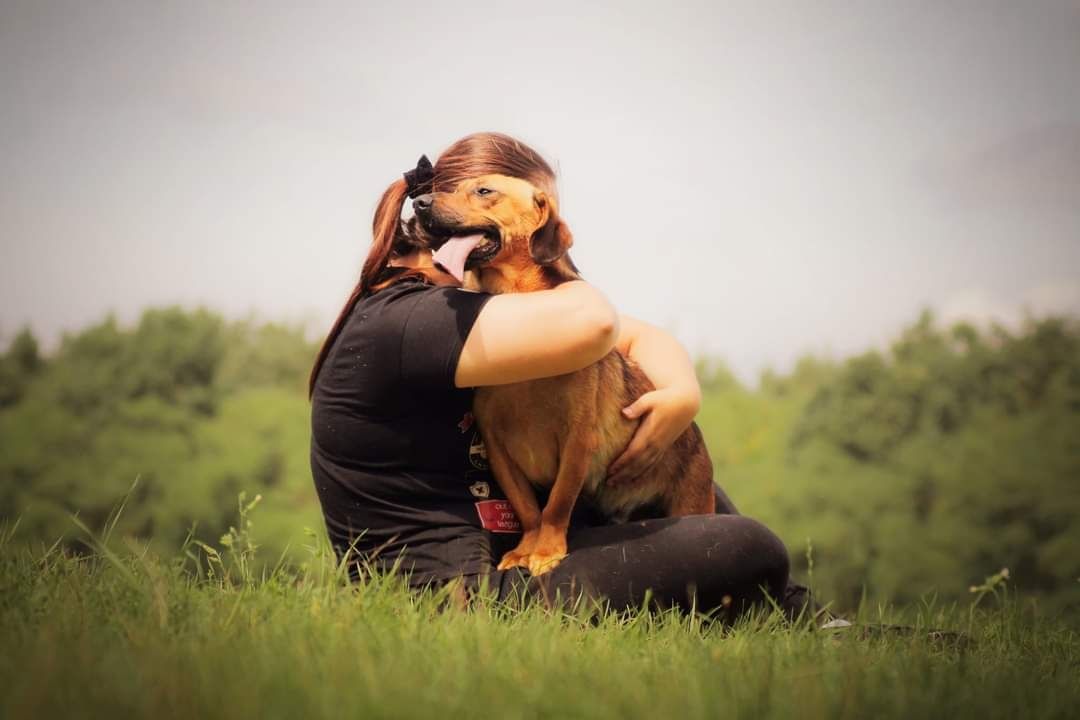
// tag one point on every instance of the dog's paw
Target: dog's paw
(513, 559)
(519, 556)
(541, 562)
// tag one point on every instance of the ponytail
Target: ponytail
(386, 230)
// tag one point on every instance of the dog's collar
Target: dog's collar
(419, 180)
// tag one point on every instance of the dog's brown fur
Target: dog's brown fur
(562, 432)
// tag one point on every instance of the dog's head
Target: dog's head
(493, 221)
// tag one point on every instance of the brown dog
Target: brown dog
(561, 432)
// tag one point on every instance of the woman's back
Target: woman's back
(394, 450)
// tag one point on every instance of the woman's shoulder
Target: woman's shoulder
(416, 288)
(407, 304)
(401, 297)
(409, 295)
(415, 330)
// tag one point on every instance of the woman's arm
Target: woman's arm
(668, 410)
(525, 336)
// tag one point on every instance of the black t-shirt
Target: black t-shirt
(397, 459)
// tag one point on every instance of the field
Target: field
(120, 632)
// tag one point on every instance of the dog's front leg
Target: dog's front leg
(522, 498)
(550, 547)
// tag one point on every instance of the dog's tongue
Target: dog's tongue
(452, 255)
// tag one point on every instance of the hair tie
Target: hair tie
(419, 180)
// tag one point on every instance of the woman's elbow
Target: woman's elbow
(693, 399)
(600, 331)
(589, 323)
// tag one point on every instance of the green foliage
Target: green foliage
(195, 408)
(935, 382)
(171, 356)
(921, 469)
(268, 355)
(18, 366)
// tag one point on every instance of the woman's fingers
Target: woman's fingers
(640, 454)
(665, 416)
(619, 470)
(640, 406)
(630, 463)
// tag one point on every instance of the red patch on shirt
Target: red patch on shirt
(467, 421)
(498, 516)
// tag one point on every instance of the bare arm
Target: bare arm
(525, 336)
(663, 359)
(668, 410)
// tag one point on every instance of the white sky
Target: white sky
(762, 179)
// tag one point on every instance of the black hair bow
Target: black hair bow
(419, 179)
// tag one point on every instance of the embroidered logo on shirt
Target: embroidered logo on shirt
(477, 452)
(498, 516)
(480, 489)
(467, 421)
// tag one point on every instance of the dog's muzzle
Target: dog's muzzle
(422, 204)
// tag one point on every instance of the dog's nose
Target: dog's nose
(422, 203)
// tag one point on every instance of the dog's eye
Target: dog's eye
(483, 191)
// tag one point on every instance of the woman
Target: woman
(398, 463)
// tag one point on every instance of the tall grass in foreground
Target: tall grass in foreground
(122, 632)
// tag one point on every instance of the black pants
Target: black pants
(721, 564)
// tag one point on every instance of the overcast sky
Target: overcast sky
(763, 179)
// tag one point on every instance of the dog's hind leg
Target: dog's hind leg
(692, 485)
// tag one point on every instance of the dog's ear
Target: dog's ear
(553, 239)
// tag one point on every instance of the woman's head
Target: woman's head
(491, 154)
(486, 153)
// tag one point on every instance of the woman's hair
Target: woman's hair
(486, 153)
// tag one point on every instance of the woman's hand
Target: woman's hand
(668, 410)
(667, 413)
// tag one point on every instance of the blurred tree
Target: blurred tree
(961, 449)
(268, 354)
(714, 375)
(195, 408)
(18, 366)
(175, 356)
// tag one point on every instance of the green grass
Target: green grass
(121, 632)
